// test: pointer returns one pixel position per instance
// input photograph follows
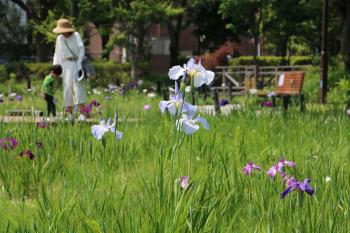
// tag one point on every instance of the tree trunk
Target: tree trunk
(174, 49)
(74, 10)
(138, 54)
(174, 34)
(345, 35)
(40, 48)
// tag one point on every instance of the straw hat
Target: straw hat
(63, 26)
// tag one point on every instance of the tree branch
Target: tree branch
(24, 7)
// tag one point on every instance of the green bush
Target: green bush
(110, 72)
(273, 60)
(340, 93)
(107, 72)
(311, 87)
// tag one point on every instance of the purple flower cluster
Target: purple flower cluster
(267, 104)
(278, 168)
(247, 170)
(27, 153)
(224, 102)
(8, 143)
(293, 184)
(87, 109)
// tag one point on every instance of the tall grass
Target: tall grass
(77, 184)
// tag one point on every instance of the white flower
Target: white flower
(99, 130)
(151, 95)
(196, 71)
(270, 94)
(189, 125)
(348, 112)
(328, 179)
(253, 91)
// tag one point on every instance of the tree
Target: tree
(245, 18)
(343, 7)
(210, 25)
(13, 33)
(136, 17)
(37, 12)
(287, 18)
(176, 25)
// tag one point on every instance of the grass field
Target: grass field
(79, 184)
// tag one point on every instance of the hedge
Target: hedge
(274, 60)
(107, 72)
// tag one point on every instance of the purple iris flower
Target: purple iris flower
(95, 103)
(267, 104)
(184, 182)
(42, 124)
(86, 109)
(28, 153)
(247, 170)
(19, 98)
(8, 143)
(224, 102)
(293, 184)
(278, 168)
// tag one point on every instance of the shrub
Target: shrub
(107, 72)
(272, 60)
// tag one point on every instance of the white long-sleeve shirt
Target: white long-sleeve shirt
(62, 53)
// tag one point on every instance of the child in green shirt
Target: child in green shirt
(48, 89)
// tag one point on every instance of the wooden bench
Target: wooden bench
(289, 84)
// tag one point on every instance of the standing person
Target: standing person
(69, 53)
(48, 89)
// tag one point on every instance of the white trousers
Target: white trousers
(74, 92)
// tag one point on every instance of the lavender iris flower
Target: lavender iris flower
(99, 130)
(278, 168)
(196, 71)
(19, 98)
(247, 170)
(177, 105)
(184, 182)
(189, 125)
(300, 186)
(42, 124)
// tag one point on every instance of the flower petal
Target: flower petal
(176, 72)
(189, 127)
(204, 122)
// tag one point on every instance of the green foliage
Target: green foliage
(311, 87)
(340, 93)
(12, 31)
(107, 72)
(110, 72)
(272, 60)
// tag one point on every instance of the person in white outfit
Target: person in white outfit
(69, 53)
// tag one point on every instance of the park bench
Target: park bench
(289, 84)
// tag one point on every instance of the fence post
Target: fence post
(216, 100)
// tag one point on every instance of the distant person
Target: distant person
(48, 89)
(69, 53)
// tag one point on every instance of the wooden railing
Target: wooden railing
(234, 77)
